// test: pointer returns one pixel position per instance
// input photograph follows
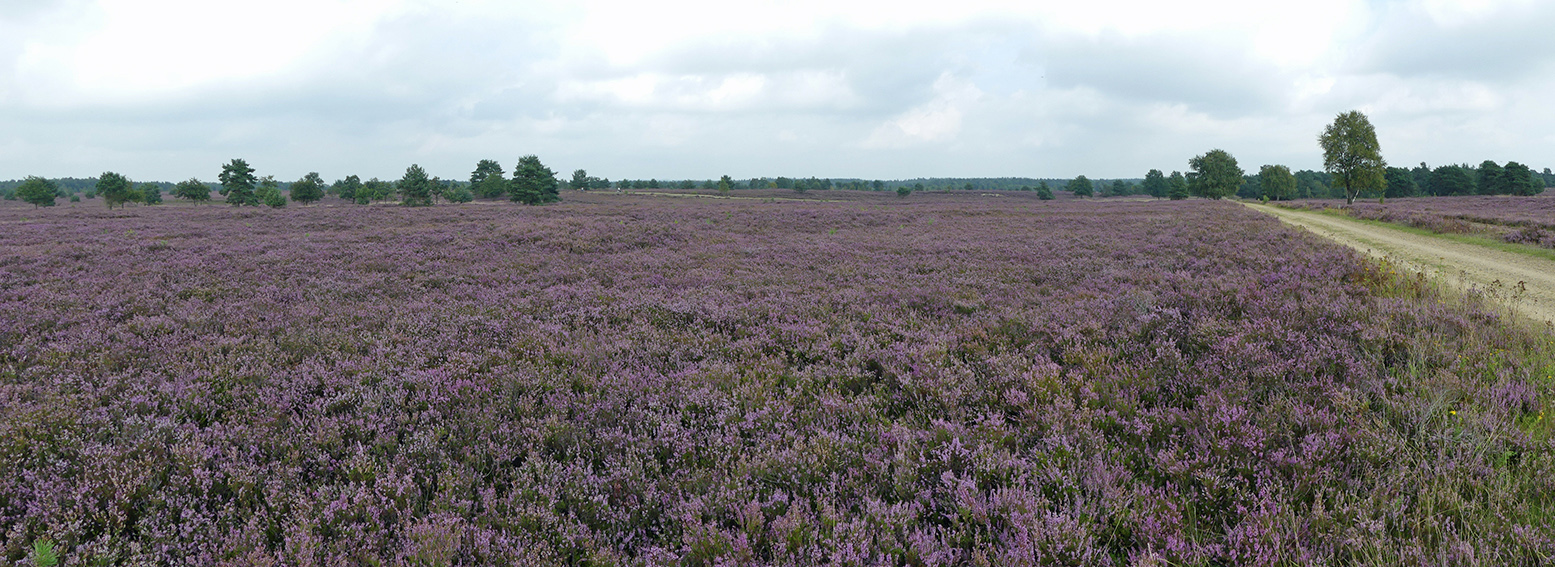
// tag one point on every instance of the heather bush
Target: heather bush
(624, 380)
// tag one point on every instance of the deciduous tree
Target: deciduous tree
(1351, 153)
(1155, 184)
(309, 189)
(1214, 175)
(192, 190)
(1277, 182)
(38, 191)
(1080, 186)
(1177, 186)
(1044, 192)
(149, 193)
(347, 187)
(115, 189)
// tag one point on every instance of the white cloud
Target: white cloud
(166, 88)
(935, 121)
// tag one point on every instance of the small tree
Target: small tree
(1277, 182)
(1351, 153)
(237, 183)
(269, 193)
(116, 189)
(192, 190)
(1155, 184)
(903, 191)
(533, 183)
(725, 183)
(487, 181)
(347, 188)
(1215, 175)
(1177, 186)
(309, 189)
(1044, 192)
(149, 193)
(1080, 186)
(415, 187)
(580, 180)
(38, 191)
(458, 194)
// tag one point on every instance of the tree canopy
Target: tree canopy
(1401, 182)
(533, 183)
(1177, 186)
(1351, 153)
(192, 190)
(487, 180)
(415, 187)
(309, 189)
(116, 189)
(38, 191)
(1277, 182)
(1214, 175)
(1080, 186)
(1155, 184)
(237, 183)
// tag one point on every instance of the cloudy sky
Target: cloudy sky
(169, 89)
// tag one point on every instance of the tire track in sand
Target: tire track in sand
(1461, 265)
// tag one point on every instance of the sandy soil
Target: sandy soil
(1526, 282)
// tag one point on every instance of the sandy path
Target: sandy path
(1461, 265)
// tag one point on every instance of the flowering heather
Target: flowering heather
(632, 380)
(1453, 214)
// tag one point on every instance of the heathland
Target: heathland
(620, 379)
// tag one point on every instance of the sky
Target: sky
(171, 89)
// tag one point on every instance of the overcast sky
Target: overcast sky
(169, 89)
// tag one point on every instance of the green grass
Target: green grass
(1475, 239)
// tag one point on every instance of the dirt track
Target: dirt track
(1458, 264)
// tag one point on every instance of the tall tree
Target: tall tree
(1351, 153)
(1277, 182)
(1491, 179)
(415, 187)
(1080, 186)
(487, 181)
(580, 180)
(192, 190)
(1177, 186)
(38, 191)
(116, 189)
(1214, 175)
(533, 183)
(1155, 183)
(347, 188)
(725, 183)
(1451, 180)
(1521, 180)
(309, 189)
(1401, 182)
(237, 183)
